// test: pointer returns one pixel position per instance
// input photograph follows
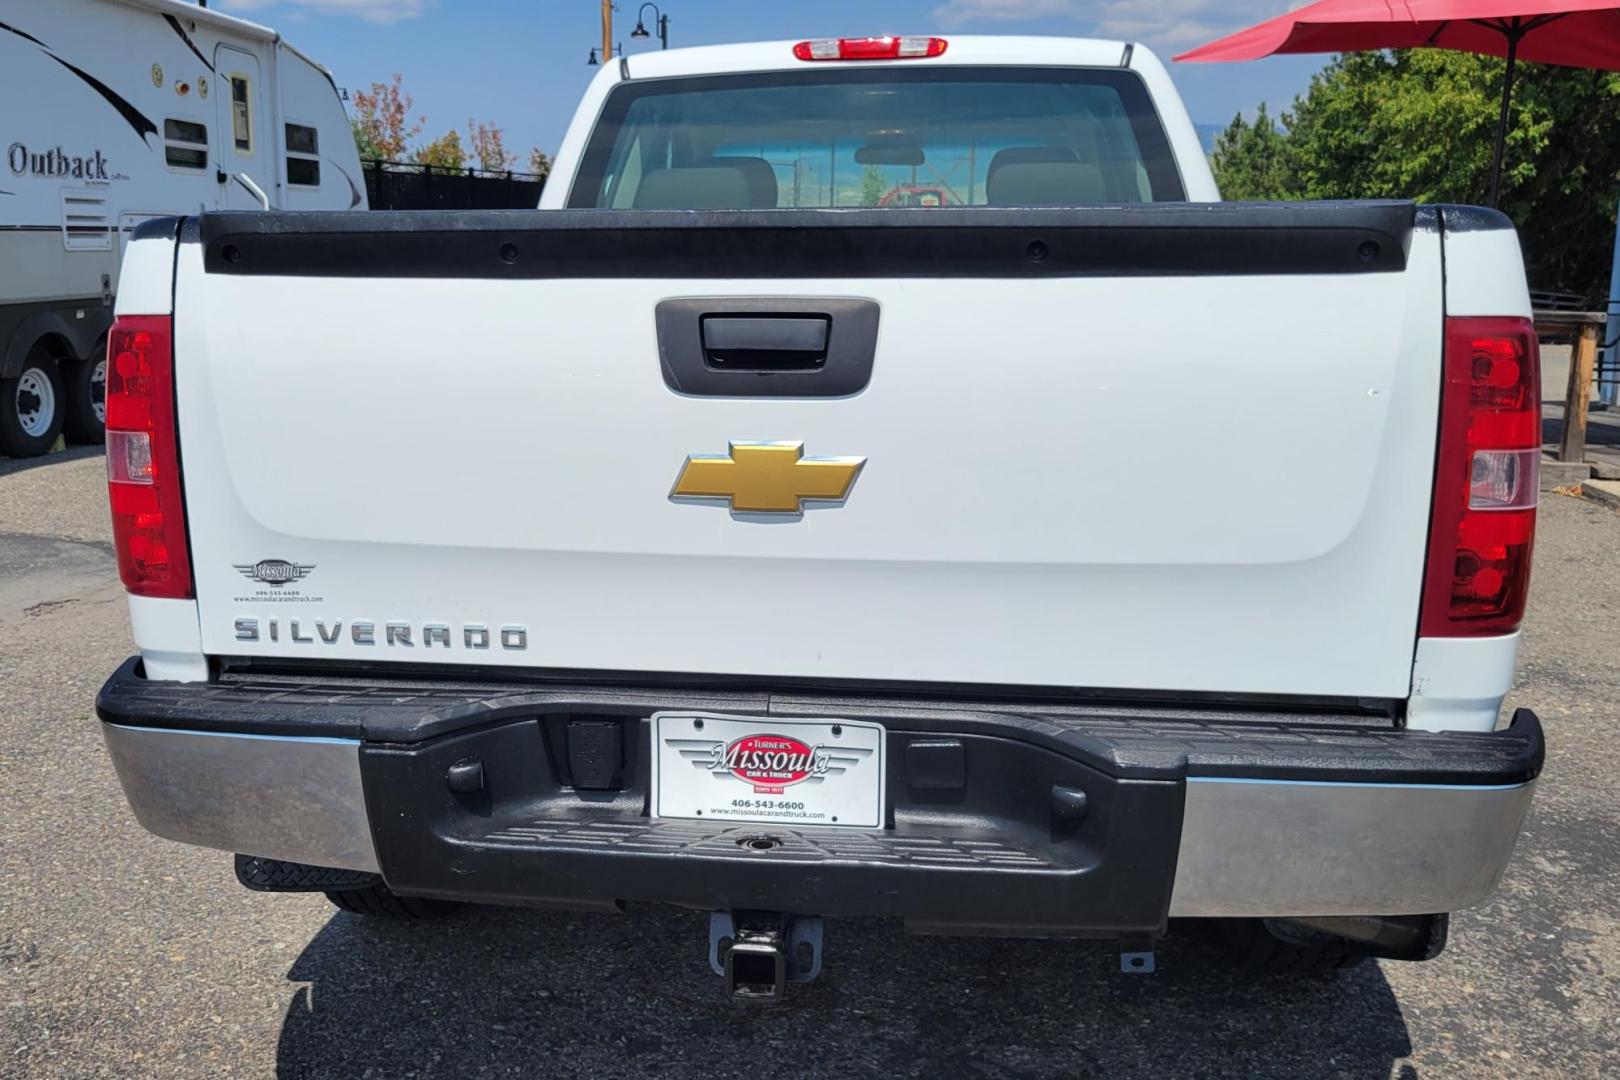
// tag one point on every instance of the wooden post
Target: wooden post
(607, 30)
(1579, 392)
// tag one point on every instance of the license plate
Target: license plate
(782, 772)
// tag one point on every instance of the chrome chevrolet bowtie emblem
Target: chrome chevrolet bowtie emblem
(767, 477)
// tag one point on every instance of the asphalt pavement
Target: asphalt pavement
(125, 955)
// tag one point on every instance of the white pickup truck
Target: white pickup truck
(881, 479)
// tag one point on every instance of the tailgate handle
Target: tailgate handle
(765, 342)
(767, 346)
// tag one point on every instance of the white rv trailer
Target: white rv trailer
(115, 112)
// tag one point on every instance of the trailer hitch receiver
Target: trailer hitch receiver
(759, 952)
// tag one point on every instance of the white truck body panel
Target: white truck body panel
(1485, 274)
(426, 498)
(1458, 683)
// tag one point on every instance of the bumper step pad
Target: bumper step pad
(780, 844)
(278, 875)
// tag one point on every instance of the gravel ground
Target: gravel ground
(125, 955)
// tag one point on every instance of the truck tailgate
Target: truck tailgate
(1170, 448)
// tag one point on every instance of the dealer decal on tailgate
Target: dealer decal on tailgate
(731, 768)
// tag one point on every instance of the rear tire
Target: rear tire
(86, 413)
(1254, 946)
(32, 406)
(380, 900)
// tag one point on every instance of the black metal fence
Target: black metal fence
(399, 185)
(1558, 301)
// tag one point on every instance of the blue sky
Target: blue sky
(520, 64)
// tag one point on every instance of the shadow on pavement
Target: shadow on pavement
(1602, 427)
(10, 465)
(518, 992)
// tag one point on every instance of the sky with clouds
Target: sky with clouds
(521, 63)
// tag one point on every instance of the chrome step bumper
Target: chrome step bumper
(1188, 817)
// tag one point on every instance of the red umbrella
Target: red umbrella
(1575, 33)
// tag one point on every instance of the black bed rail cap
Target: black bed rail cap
(1139, 240)
(157, 228)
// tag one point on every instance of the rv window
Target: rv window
(303, 156)
(185, 144)
(302, 140)
(241, 118)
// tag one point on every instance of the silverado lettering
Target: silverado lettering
(364, 632)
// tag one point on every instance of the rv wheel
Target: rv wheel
(86, 412)
(31, 406)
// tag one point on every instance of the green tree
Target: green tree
(1251, 159)
(445, 152)
(873, 186)
(363, 142)
(1421, 124)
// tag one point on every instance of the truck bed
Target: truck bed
(1145, 448)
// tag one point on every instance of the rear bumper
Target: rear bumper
(1186, 813)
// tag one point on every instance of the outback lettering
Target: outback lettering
(26, 161)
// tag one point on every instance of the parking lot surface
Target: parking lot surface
(123, 955)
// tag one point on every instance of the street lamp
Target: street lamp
(593, 61)
(661, 21)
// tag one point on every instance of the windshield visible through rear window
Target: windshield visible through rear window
(936, 137)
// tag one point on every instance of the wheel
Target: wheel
(86, 413)
(379, 900)
(31, 407)
(1302, 951)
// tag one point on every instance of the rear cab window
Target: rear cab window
(891, 137)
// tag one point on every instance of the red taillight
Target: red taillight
(870, 48)
(143, 459)
(1484, 522)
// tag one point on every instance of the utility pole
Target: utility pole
(607, 30)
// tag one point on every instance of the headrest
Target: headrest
(701, 187)
(761, 179)
(1054, 183)
(1029, 155)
